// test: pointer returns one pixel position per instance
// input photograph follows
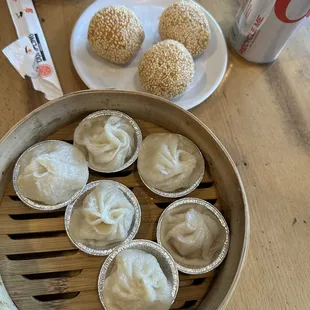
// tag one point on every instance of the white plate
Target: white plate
(98, 73)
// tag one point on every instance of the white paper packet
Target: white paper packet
(23, 57)
(27, 24)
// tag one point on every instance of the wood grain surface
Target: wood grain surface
(260, 113)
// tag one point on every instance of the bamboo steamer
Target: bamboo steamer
(41, 269)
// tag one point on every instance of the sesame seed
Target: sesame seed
(116, 34)
(166, 69)
(186, 23)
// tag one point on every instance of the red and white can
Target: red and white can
(264, 27)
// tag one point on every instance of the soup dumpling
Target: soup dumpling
(168, 162)
(192, 236)
(108, 142)
(104, 218)
(52, 172)
(137, 282)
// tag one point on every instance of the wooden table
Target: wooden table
(260, 113)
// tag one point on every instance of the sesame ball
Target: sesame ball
(166, 69)
(186, 23)
(116, 34)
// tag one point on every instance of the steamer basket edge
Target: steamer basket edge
(44, 120)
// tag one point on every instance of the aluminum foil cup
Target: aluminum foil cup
(103, 115)
(164, 259)
(106, 250)
(27, 201)
(186, 191)
(194, 269)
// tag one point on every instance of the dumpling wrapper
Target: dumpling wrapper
(52, 173)
(107, 142)
(137, 282)
(192, 237)
(167, 162)
(104, 218)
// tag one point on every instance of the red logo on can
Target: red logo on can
(28, 10)
(45, 70)
(280, 9)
